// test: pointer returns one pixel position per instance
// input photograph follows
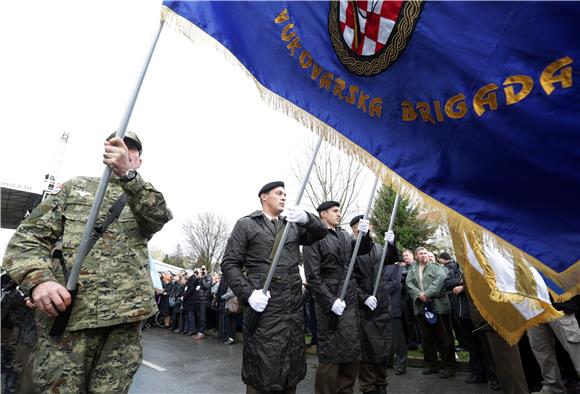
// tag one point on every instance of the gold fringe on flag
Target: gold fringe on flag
(455, 220)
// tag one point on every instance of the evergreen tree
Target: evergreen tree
(410, 231)
(178, 258)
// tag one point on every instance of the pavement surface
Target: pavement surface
(176, 363)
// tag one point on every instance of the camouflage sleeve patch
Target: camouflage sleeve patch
(147, 205)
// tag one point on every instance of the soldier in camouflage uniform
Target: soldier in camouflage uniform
(101, 349)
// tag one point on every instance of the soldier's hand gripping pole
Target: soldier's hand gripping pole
(333, 323)
(253, 316)
(61, 321)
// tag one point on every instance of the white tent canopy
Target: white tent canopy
(157, 267)
(162, 267)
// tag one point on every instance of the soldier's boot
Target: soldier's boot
(382, 389)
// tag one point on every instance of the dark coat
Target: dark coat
(177, 293)
(459, 302)
(203, 294)
(15, 313)
(164, 307)
(273, 357)
(326, 265)
(393, 274)
(189, 294)
(222, 289)
(375, 326)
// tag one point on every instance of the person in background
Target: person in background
(188, 304)
(412, 334)
(176, 295)
(431, 257)
(393, 278)
(165, 307)
(181, 329)
(202, 298)
(425, 282)
(228, 319)
(543, 342)
(461, 316)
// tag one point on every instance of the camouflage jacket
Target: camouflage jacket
(114, 282)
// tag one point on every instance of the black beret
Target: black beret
(356, 219)
(445, 256)
(327, 205)
(269, 186)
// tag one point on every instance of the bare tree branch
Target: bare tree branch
(335, 177)
(206, 238)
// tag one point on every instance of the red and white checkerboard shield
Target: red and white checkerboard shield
(367, 25)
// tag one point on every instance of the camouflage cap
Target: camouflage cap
(130, 139)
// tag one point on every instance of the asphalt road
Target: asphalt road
(177, 364)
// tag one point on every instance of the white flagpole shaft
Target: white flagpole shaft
(286, 229)
(385, 246)
(99, 195)
(357, 244)
(394, 212)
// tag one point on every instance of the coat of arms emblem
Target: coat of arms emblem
(369, 36)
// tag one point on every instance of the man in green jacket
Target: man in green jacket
(101, 348)
(425, 286)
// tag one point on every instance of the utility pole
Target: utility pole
(50, 179)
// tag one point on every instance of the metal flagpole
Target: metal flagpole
(333, 317)
(385, 246)
(72, 284)
(254, 316)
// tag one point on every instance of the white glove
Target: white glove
(338, 306)
(363, 226)
(296, 215)
(258, 300)
(390, 237)
(371, 302)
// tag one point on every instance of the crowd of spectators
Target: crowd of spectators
(431, 313)
(192, 304)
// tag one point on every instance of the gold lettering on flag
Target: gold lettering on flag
(327, 80)
(486, 98)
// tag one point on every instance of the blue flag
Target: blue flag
(473, 107)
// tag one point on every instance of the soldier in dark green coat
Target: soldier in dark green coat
(273, 356)
(101, 349)
(375, 315)
(326, 265)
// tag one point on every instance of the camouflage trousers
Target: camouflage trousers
(97, 360)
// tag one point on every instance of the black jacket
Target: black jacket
(203, 293)
(459, 303)
(189, 294)
(326, 265)
(375, 326)
(177, 293)
(273, 357)
(164, 307)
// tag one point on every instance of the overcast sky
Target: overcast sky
(209, 141)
